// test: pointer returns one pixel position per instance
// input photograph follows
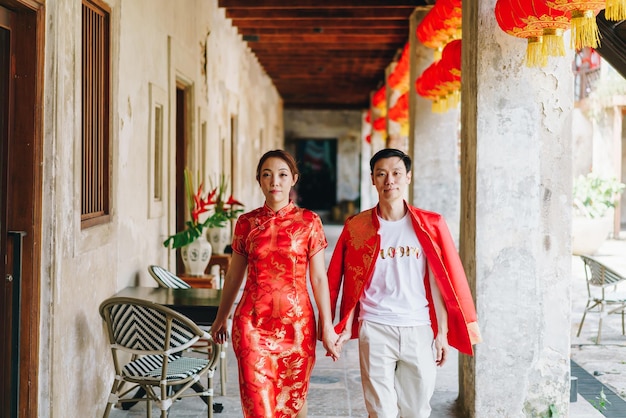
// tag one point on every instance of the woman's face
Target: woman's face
(276, 181)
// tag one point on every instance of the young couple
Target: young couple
(404, 295)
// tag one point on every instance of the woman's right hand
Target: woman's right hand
(219, 331)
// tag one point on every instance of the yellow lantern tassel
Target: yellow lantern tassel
(437, 54)
(553, 45)
(584, 29)
(615, 10)
(453, 99)
(534, 52)
(439, 105)
(404, 129)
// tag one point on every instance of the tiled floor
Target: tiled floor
(336, 390)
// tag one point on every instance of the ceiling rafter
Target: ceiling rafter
(323, 54)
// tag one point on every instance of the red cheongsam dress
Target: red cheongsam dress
(274, 331)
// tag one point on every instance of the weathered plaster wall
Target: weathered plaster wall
(515, 221)
(582, 142)
(345, 126)
(153, 43)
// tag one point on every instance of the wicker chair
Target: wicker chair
(157, 339)
(166, 278)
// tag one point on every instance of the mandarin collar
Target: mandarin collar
(282, 212)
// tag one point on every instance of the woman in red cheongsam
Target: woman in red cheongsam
(274, 329)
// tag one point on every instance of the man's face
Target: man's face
(390, 178)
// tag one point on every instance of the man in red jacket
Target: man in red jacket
(403, 288)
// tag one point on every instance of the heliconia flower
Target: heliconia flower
(211, 197)
(232, 201)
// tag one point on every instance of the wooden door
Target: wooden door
(8, 352)
(20, 207)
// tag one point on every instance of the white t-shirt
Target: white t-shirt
(396, 294)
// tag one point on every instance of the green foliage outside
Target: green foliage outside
(594, 195)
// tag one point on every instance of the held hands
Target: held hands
(329, 340)
(333, 342)
(442, 347)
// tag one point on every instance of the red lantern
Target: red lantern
(440, 25)
(400, 111)
(512, 24)
(379, 99)
(380, 124)
(451, 64)
(432, 85)
(399, 78)
(584, 27)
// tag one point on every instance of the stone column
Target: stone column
(516, 192)
(433, 142)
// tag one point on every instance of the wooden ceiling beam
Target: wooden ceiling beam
(323, 54)
(321, 23)
(321, 13)
(293, 30)
(326, 39)
(299, 4)
(331, 48)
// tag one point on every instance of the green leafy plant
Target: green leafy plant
(199, 203)
(601, 401)
(594, 195)
(552, 411)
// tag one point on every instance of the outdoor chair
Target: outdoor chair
(166, 278)
(600, 279)
(156, 338)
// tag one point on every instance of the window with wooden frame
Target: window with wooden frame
(95, 181)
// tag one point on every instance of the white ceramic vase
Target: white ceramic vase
(588, 234)
(219, 238)
(196, 256)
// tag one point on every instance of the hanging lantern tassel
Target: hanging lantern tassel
(511, 23)
(534, 52)
(615, 10)
(584, 29)
(553, 42)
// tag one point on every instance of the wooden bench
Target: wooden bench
(599, 279)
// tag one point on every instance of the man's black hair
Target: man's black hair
(389, 153)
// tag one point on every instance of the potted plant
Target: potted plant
(195, 249)
(593, 202)
(223, 212)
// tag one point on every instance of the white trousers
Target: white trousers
(398, 370)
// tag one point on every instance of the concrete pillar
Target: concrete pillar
(433, 142)
(516, 192)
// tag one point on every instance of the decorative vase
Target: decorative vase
(219, 238)
(196, 256)
(589, 234)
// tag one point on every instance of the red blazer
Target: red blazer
(353, 262)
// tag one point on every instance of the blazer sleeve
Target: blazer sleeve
(335, 271)
(458, 280)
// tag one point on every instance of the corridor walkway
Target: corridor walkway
(336, 389)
